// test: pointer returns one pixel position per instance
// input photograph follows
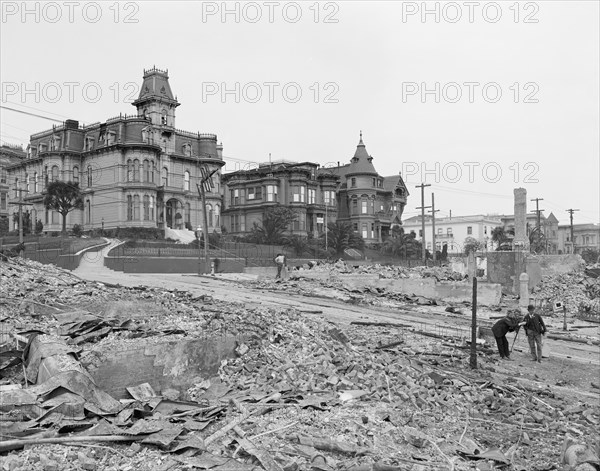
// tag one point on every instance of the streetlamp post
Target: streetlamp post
(326, 244)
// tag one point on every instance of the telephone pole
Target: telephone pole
(20, 203)
(571, 211)
(538, 211)
(433, 211)
(538, 224)
(422, 208)
(205, 181)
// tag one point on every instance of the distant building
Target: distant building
(354, 193)
(134, 171)
(454, 230)
(9, 155)
(548, 227)
(371, 203)
(304, 187)
(585, 236)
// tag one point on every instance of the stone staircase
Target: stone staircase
(183, 235)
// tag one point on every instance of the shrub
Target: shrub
(39, 227)
(77, 230)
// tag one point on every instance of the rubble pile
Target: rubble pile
(576, 290)
(301, 393)
(443, 273)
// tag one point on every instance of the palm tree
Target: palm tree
(297, 243)
(501, 237)
(341, 236)
(401, 244)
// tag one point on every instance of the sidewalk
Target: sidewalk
(91, 266)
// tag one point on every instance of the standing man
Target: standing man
(280, 262)
(510, 323)
(534, 328)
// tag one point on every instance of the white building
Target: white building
(454, 230)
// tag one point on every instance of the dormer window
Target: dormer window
(353, 181)
(111, 138)
(89, 143)
(42, 148)
(187, 149)
(148, 135)
(55, 143)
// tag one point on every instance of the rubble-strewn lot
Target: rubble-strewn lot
(301, 393)
(579, 292)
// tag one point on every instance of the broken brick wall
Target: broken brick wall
(166, 365)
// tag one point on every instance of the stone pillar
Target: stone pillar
(521, 241)
(523, 290)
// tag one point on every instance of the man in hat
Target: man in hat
(510, 323)
(534, 328)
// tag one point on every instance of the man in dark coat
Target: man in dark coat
(510, 323)
(535, 328)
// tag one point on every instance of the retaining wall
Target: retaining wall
(168, 265)
(456, 291)
(56, 257)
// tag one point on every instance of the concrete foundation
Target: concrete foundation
(488, 294)
(506, 267)
(166, 365)
(266, 272)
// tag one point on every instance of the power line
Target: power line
(31, 114)
(422, 208)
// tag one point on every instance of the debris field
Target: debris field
(296, 393)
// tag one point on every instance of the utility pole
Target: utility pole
(538, 224)
(205, 181)
(538, 211)
(571, 211)
(422, 208)
(20, 203)
(433, 211)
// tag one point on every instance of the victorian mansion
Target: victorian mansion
(133, 171)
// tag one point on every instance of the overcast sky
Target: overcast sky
(476, 99)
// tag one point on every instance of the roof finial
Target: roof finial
(361, 134)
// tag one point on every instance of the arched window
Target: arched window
(163, 118)
(152, 172)
(129, 208)
(188, 213)
(130, 170)
(35, 182)
(88, 206)
(27, 183)
(146, 208)
(186, 181)
(75, 174)
(54, 173)
(165, 177)
(146, 170)
(217, 216)
(136, 170)
(45, 176)
(16, 187)
(136, 208)
(89, 176)
(152, 208)
(54, 217)
(211, 215)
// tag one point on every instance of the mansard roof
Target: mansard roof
(155, 85)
